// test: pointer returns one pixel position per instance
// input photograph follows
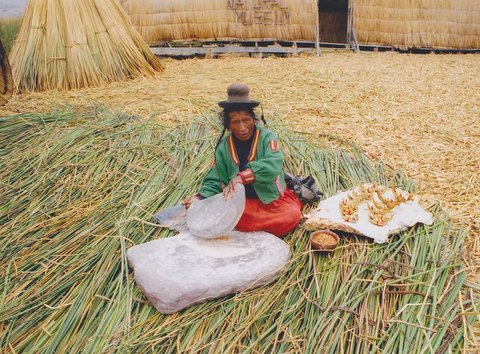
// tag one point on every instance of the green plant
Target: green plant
(8, 31)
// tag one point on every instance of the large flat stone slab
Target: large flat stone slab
(183, 270)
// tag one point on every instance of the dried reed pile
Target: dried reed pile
(418, 23)
(222, 19)
(79, 43)
(6, 81)
(79, 189)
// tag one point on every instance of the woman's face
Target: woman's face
(241, 125)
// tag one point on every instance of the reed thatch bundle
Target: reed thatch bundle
(6, 81)
(222, 19)
(418, 23)
(79, 191)
(70, 44)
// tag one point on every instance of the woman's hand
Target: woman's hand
(188, 201)
(231, 187)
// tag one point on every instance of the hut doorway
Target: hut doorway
(333, 18)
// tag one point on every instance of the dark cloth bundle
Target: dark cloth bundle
(305, 188)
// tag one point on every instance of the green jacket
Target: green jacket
(265, 164)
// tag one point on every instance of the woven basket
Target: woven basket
(324, 240)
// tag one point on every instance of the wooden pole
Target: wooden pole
(317, 29)
(349, 27)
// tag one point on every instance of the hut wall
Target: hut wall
(170, 20)
(418, 23)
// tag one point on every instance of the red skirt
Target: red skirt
(279, 217)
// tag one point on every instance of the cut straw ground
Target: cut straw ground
(80, 188)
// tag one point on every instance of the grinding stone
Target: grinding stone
(183, 270)
(214, 217)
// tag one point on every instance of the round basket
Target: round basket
(324, 240)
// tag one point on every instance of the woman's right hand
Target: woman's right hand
(230, 189)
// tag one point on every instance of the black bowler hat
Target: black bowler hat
(238, 98)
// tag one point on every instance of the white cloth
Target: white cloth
(328, 215)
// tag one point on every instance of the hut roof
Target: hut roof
(77, 43)
(223, 19)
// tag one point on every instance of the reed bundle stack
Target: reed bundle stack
(418, 23)
(223, 19)
(70, 44)
(6, 81)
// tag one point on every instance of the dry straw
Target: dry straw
(77, 43)
(6, 81)
(79, 189)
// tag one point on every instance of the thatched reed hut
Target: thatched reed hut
(403, 23)
(398, 23)
(170, 20)
(69, 44)
(6, 81)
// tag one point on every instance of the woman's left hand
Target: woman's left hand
(231, 187)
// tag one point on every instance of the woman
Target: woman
(250, 156)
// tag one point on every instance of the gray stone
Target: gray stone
(183, 270)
